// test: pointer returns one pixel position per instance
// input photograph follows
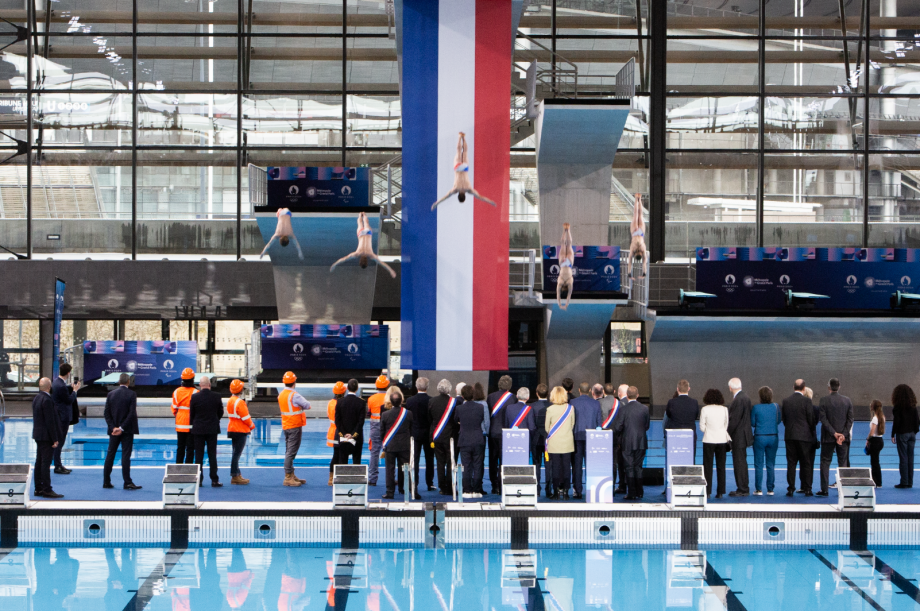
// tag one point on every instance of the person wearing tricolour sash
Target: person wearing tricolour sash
(497, 402)
(538, 441)
(440, 412)
(396, 424)
(560, 442)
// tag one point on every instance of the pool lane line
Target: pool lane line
(731, 599)
(847, 580)
(893, 576)
(144, 593)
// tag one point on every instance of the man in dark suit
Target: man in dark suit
(63, 399)
(587, 416)
(521, 413)
(497, 402)
(619, 462)
(396, 431)
(350, 414)
(418, 405)
(538, 439)
(205, 411)
(633, 430)
(836, 420)
(441, 415)
(46, 431)
(742, 436)
(798, 417)
(121, 420)
(682, 412)
(469, 418)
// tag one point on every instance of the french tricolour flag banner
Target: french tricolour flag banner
(456, 77)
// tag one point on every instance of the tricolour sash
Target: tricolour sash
(500, 403)
(521, 417)
(558, 425)
(613, 413)
(399, 420)
(444, 418)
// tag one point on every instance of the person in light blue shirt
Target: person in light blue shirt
(765, 419)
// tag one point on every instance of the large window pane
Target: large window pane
(719, 123)
(298, 64)
(302, 17)
(894, 200)
(712, 65)
(702, 17)
(187, 62)
(813, 123)
(293, 120)
(813, 66)
(374, 121)
(85, 62)
(805, 18)
(894, 123)
(83, 119)
(189, 119)
(80, 16)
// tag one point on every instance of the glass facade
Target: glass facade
(127, 127)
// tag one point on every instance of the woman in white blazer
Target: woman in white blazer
(714, 425)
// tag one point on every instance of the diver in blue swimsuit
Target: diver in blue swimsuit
(284, 232)
(566, 257)
(637, 249)
(462, 184)
(365, 247)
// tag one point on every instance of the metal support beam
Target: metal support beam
(658, 50)
(134, 143)
(868, 72)
(761, 71)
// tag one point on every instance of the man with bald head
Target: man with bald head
(798, 417)
(46, 431)
(742, 436)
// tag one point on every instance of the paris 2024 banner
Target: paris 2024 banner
(298, 347)
(851, 278)
(153, 363)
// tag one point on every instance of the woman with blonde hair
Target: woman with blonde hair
(560, 441)
(876, 440)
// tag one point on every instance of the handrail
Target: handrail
(258, 186)
(529, 272)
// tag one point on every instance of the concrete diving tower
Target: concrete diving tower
(577, 141)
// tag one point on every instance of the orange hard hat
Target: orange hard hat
(382, 382)
(188, 374)
(289, 377)
(236, 386)
(339, 388)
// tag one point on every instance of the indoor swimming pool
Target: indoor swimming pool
(455, 579)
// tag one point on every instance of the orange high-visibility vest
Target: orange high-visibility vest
(240, 421)
(331, 438)
(238, 588)
(292, 416)
(375, 403)
(181, 399)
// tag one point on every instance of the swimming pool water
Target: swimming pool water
(455, 579)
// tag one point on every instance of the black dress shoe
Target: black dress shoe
(107, 485)
(718, 496)
(577, 496)
(61, 471)
(416, 498)
(387, 496)
(565, 495)
(38, 493)
(737, 493)
(216, 484)
(620, 491)
(631, 497)
(809, 493)
(789, 493)
(896, 485)
(821, 493)
(133, 486)
(557, 496)
(430, 487)
(51, 494)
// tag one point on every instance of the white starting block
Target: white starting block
(688, 486)
(349, 486)
(855, 489)
(519, 486)
(15, 481)
(180, 486)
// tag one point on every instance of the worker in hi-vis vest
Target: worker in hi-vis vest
(293, 418)
(374, 407)
(182, 396)
(238, 430)
(332, 440)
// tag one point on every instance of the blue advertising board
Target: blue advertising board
(302, 188)
(325, 346)
(679, 451)
(153, 363)
(516, 447)
(596, 268)
(599, 465)
(58, 316)
(851, 278)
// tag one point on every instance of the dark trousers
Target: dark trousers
(394, 462)
(442, 456)
(578, 466)
(43, 456)
(472, 457)
(536, 451)
(718, 451)
(335, 458)
(57, 451)
(799, 452)
(562, 468)
(875, 448)
(423, 444)
(201, 441)
(740, 466)
(619, 465)
(495, 464)
(906, 457)
(126, 442)
(347, 450)
(239, 444)
(634, 460)
(828, 449)
(185, 449)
